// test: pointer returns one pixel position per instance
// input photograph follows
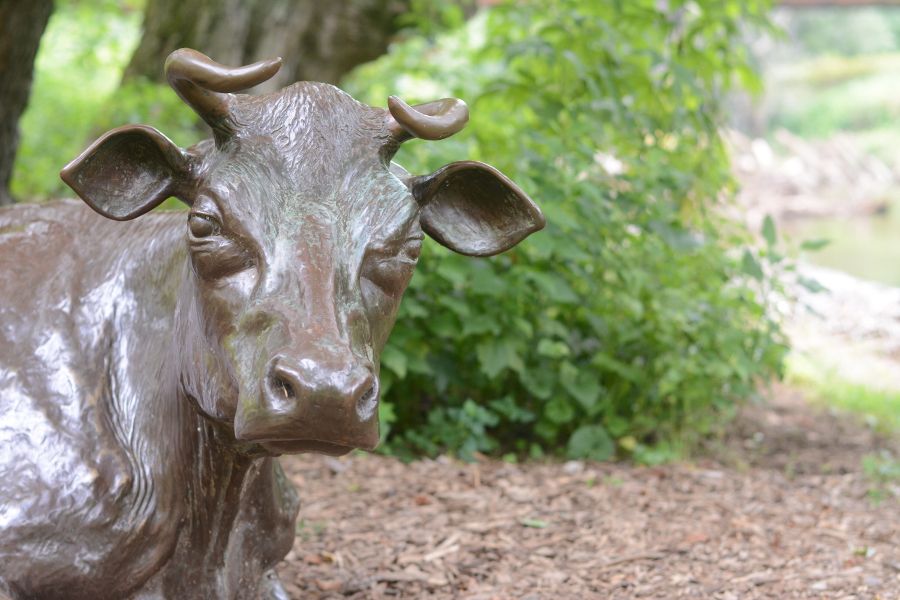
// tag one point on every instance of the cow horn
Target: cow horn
(205, 85)
(431, 121)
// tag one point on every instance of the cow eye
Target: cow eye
(202, 226)
(391, 270)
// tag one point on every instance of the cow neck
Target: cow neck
(219, 466)
(214, 493)
(215, 476)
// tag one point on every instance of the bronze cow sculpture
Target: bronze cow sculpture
(151, 370)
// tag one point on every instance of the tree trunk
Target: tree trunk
(319, 40)
(22, 23)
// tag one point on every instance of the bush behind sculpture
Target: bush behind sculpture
(636, 321)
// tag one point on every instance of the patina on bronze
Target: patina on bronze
(151, 370)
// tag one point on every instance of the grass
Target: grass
(831, 70)
(820, 97)
(880, 407)
(883, 471)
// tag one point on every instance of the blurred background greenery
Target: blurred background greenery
(646, 312)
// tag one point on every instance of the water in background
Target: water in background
(831, 81)
(867, 247)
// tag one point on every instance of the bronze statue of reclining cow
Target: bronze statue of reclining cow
(151, 369)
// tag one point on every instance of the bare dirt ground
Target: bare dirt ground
(779, 509)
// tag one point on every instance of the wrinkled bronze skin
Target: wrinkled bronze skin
(152, 368)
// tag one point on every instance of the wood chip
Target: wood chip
(730, 525)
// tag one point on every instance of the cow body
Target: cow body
(107, 476)
(152, 369)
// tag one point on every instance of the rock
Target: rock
(872, 581)
(573, 467)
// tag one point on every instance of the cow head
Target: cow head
(302, 236)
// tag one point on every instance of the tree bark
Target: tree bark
(22, 22)
(319, 40)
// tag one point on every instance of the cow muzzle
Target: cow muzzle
(312, 404)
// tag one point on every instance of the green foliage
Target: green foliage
(636, 320)
(880, 407)
(826, 95)
(429, 18)
(76, 95)
(846, 32)
(883, 471)
(835, 71)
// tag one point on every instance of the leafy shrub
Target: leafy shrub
(635, 321)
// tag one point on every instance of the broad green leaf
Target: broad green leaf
(552, 348)
(394, 360)
(480, 324)
(555, 287)
(590, 442)
(750, 266)
(609, 363)
(497, 354)
(582, 384)
(559, 411)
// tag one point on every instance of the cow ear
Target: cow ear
(129, 171)
(474, 209)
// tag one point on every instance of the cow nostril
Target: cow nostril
(367, 403)
(281, 388)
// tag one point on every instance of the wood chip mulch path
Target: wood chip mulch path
(779, 509)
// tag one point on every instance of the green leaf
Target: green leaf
(480, 324)
(559, 411)
(582, 384)
(539, 382)
(485, 282)
(612, 364)
(497, 354)
(413, 309)
(590, 442)
(811, 284)
(813, 245)
(386, 418)
(508, 408)
(453, 271)
(394, 360)
(552, 348)
(750, 266)
(534, 523)
(768, 231)
(456, 305)
(555, 287)
(443, 325)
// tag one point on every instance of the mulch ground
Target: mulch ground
(779, 509)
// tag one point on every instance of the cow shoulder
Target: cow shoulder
(70, 483)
